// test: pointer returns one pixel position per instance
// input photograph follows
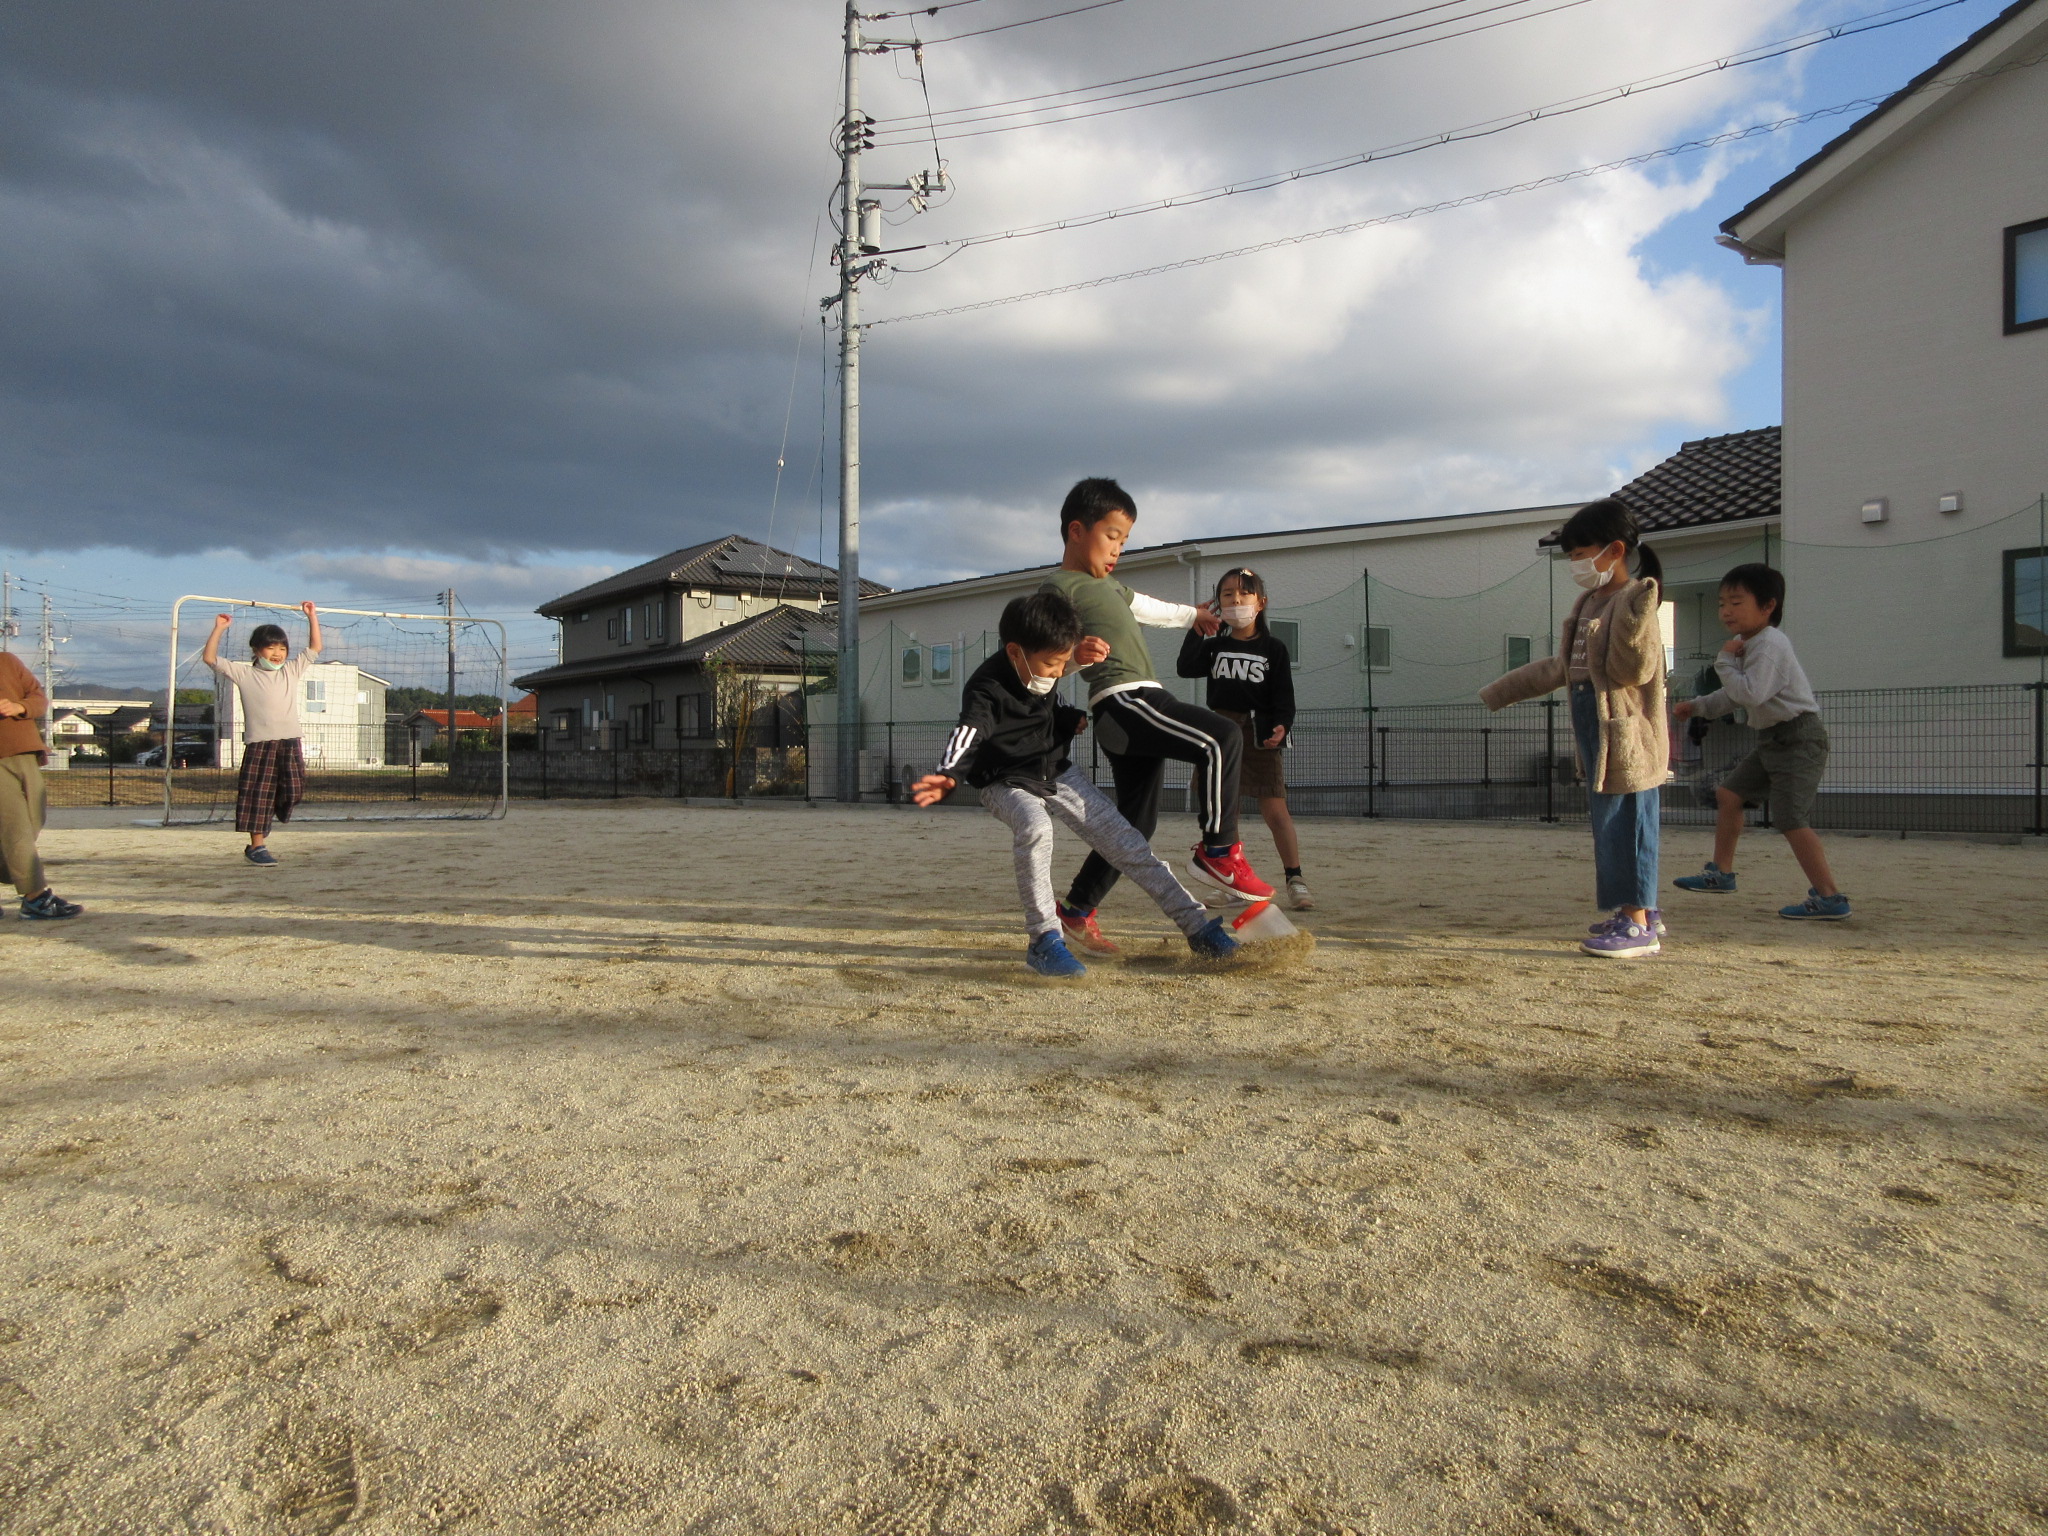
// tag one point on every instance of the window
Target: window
(583, 617)
(625, 626)
(657, 629)
(1379, 650)
(589, 714)
(660, 712)
(2026, 602)
(692, 718)
(638, 720)
(611, 629)
(565, 721)
(611, 706)
(2026, 277)
(913, 666)
(316, 696)
(724, 600)
(1518, 651)
(942, 664)
(1288, 633)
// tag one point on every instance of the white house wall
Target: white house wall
(1900, 384)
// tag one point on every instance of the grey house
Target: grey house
(641, 651)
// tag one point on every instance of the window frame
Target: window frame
(1365, 648)
(691, 713)
(910, 668)
(933, 675)
(639, 724)
(313, 696)
(1291, 641)
(1528, 644)
(2009, 606)
(2014, 326)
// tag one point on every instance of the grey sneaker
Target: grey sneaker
(1298, 896)
(1830, 909)
(1712, 878)
(259, 856)
(1608, 926)
(49, 907)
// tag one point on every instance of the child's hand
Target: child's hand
(1080, 725)
(1735, 646)
(1279, 735)
(220, 622)
(1207, 620)
(1093, 648)
(9, 709)
(1684, 709)
(307, 608)
(931, 789)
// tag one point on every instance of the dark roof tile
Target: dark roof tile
(1728, 479)
(734, 563)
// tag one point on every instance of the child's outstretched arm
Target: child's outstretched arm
(1154, 614)
(210, 652)
(1545, 675)
(313, 646)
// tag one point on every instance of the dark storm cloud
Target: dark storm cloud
(491, 278)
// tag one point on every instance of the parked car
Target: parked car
(152, 757)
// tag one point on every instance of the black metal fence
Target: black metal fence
(1903, 759)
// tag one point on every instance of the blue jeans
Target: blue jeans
(1625, 827)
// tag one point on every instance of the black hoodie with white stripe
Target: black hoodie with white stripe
(1008, 735)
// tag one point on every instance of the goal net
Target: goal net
(374, 708)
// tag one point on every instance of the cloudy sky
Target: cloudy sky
(358, 299)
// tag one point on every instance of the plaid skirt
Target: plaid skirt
(272, 781)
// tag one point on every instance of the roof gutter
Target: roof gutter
(1754, 256)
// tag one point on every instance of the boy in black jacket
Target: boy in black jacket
(1011, 744)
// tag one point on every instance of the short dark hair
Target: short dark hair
(268, 634)
(1044, 621)
(1253, 584)
(1764, 583)
(1093, 499)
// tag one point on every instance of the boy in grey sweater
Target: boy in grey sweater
(1760, 674)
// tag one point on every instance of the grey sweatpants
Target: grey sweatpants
(1102, 827)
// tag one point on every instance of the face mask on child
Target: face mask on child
(1587, 573)
(268, 665)
(1239, 615)
(1039, 685)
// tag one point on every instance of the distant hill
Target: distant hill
(102, 691)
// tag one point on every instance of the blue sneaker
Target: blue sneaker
(49, 907)
(1831, 909)
(1049, 956)
(1656, 922)
(1712, 878)
(1213, 941)
(1623, 941)
(259, 855)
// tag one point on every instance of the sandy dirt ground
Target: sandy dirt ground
(648, 1169)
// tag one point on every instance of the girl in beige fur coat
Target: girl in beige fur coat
(1610, 656)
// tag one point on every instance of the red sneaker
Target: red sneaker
(1229, 873)
(1081, 931)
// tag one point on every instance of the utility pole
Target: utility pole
(49, 648)
(8, 628)
(449, 598)
(859, 254)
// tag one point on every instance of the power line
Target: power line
(957, 121)
(1029, 21)
(1181, 69)
(1762, 53)
(1711, 141)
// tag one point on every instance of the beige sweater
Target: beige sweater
(1625, 654)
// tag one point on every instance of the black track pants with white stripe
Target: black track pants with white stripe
(1138, 732)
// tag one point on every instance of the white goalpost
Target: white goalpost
(380, 742)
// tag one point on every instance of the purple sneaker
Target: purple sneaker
(1623, 941)
(1610, 924)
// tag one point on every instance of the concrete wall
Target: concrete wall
(1900, 384)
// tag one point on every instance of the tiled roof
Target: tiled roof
(770, 642)
(1728, 479)
(734, 563)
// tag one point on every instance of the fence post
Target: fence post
(543, 763)
(2040, 742)
(1550, 759)
(412, 753)
(614, 730)
(889, 765)
(1486, 757)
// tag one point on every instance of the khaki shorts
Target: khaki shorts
(1784, 771)
(1261, 777)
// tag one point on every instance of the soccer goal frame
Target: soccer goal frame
(315, 811)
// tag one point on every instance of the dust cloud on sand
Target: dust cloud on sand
(639, 1168)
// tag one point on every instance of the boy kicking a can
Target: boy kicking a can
(1759, 673)
(1011, 744)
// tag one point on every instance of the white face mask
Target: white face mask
(1039, 685)
(268, 665)
(1239, 616)
(1587, 573)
